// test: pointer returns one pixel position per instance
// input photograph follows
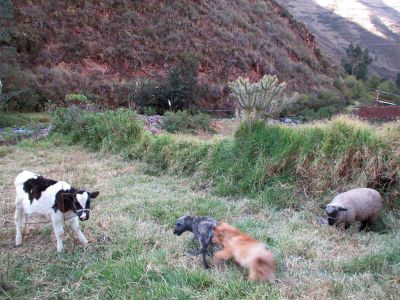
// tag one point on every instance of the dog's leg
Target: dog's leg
(252, 274)
(220, 256)
(194, 252)
(205, 263)
(204, 242)
(224, 254)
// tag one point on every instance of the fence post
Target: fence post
(377, 97)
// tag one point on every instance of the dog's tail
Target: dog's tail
(264, 266)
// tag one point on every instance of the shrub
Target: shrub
(76, 98)
(391, 88)
(374, 82)
(111, 130)
(149, 110)
(356, 90)
(66, 120)
(9, 120)
(317, 106)
(177, 91)
(19, 91)
(184, 122)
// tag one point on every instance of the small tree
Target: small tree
(357, 61)
(262, 97)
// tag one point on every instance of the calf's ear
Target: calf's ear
(94, 194)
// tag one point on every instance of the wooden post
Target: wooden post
(377, 97)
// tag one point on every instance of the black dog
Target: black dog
(202, 228)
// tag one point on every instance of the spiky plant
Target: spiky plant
(262, 97)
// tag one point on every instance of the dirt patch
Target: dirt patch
(379, 112)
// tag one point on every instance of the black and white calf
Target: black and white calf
(39, 195)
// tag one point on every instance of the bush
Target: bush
(317, 106)
(10, 120)
(19, 92)
(177, 91)
(184, 122)
(76, 98)
(149, 110)
(111, 130)
(391, 88)
(65, 120)
(356, 90)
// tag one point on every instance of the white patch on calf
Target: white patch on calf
(82, 199)
(44, 205)
(83, 216)
(24, 176)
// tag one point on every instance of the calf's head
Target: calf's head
(333, 213)
(81, 203)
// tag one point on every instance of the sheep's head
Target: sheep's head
(333, 213)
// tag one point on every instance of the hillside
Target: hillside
(370, 23)
(101, 47)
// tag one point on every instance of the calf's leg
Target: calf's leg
(58, 220)
(74, 223)
(19, 218)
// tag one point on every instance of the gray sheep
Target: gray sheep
(360, 204)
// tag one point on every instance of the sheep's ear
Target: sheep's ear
(94, 194)
(342, 208)
(323, 206)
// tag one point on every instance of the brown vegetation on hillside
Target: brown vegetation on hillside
(101, 47)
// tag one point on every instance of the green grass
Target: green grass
(11, 119)
(273, 163)
(133, 253)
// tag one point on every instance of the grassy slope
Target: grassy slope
(115, 41)
(133, 253)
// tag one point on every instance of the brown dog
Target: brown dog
(248, 252)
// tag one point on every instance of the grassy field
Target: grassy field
(133, 253)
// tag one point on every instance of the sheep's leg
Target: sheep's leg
(58, 226)
(74, 223)
(19, 219)
(363, 225)
(346, 226)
